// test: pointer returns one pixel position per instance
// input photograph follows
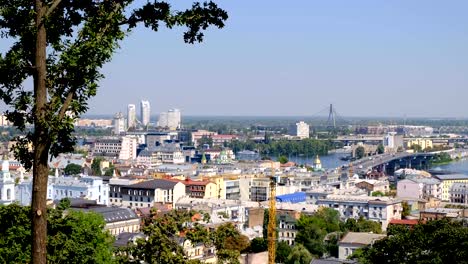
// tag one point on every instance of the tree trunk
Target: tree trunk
(40, 144)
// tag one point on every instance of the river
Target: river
(460, 166)
(332, 161)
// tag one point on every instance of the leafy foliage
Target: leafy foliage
(72, 169)
(360, 152)
(308, 147)
(62, 46)
(283, 159)
(96, 166)
(380, 149)
(73, 237)
(406, 209)
(299, 254)
(438, 241)
(258, 244)
(362, 225)
(282, 252)
(313, 229)
(163, 232)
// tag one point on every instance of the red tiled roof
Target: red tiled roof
(404, 222)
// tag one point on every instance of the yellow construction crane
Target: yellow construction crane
(272, 222)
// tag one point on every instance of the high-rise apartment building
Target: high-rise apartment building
(170, 119)
(119, 123)
(300, 130)
(131, 115)
(145, 112)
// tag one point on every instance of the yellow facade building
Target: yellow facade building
(447, 181)
(423, 143)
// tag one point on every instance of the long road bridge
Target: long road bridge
(389, 162)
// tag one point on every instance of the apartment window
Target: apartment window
(131, 198)
(141, 199)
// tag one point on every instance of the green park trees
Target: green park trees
(283, 159)
(163, 231)
(61, 45)
(307, 147)
(438, 241)
(360, 152)
(72, 237)
(72, 169)
(380, 149)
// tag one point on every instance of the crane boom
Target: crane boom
(272, 222)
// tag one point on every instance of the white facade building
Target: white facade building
(419, 188)
(145, 112)
(168, 154)
(119, 123)
(145, 194)
(123, 148)
(379, 209)
(128, 148)
(300, 130)
(170, 119)
(7, 185)
(131, 116)
(393, 141)
(87, 187)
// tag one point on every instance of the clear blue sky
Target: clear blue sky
(368, 58)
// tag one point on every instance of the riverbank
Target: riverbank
(455, 166)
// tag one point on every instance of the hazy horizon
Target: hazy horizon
(368, 58)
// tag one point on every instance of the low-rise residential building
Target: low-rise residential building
(371, 186)
(354, 240)
(232, 189)
(419, 188)
(118, 220)
(198, 251)
(440, 213)
(379, 209)
(424, 143)
(199, 134)
(146, 193)
(115, 185)
(219, 140)
(260, 189)
(170, 153)
(287, 228)
(459, 193)
(199, 189)
(86, 187)
(447, 181)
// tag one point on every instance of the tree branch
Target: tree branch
(52, 7)
(66, 103)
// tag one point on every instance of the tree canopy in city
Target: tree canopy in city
(72, 169)
(439, 241)
(72, 236)
(61, 45)
(163, 231)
